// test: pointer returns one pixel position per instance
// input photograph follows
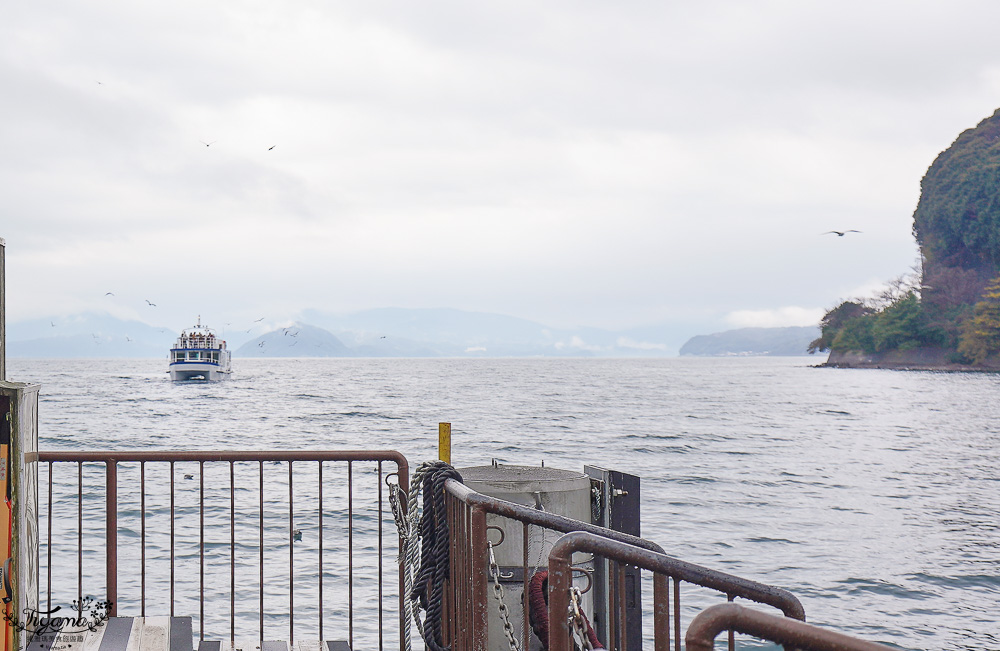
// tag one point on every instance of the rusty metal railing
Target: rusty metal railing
(239, 510)
(466, 604)
(663, 567)
(710, 622)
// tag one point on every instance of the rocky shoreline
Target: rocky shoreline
(917, 359)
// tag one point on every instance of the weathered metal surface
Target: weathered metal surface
(616, 505)
(710, 622)
(19, 409)
(110, 460)
(474, 544)
(533, 516)
(560, 580)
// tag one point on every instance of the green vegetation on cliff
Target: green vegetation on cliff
(954, 302)
(957, 220)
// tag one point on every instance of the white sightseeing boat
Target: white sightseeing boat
(199, 355)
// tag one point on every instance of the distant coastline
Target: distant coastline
(916, 359)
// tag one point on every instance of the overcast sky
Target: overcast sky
(576, 163)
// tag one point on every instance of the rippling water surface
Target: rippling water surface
(871, 495)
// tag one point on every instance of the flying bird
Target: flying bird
(188, 476)
(271, 147)
(258, 320)
(151, 304)
(109, 293)
(208, 144)
(841, 233)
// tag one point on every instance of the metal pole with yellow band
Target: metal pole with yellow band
(6, 525)
(19, 511)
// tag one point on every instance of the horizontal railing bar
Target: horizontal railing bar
(541, 518)
(710, 622)
(127, 456)
(563, 549)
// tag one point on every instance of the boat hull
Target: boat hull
(180, 371)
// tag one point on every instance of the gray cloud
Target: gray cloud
(575, 163)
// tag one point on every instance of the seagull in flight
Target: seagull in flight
(208, 144)
(109, 293)
(258, 320)
(841, 233)
(271, 147)
(53, 323)
(151, 304)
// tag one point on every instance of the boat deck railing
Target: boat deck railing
(469, 606)
(301, 545)
(665, 570)
(263, 544)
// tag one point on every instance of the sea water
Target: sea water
(871, 495)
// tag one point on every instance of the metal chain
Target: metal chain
(508, 629)
(576, 621)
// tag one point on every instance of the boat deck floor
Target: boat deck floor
(162, 634)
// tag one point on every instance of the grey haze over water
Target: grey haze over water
(871, 495)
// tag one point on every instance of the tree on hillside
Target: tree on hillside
(834, 321)
(899, 326)
(981, 334)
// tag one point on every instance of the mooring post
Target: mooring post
(444, 442)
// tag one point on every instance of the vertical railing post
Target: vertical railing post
(402, 476)
(111, 533)
(480, 563)
(661, 612)
(560, 580)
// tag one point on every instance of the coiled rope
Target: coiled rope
(424, 548)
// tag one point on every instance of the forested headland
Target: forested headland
(945, 313)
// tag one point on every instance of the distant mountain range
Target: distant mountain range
(787, 342)
(385, 332)
(394, 332)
